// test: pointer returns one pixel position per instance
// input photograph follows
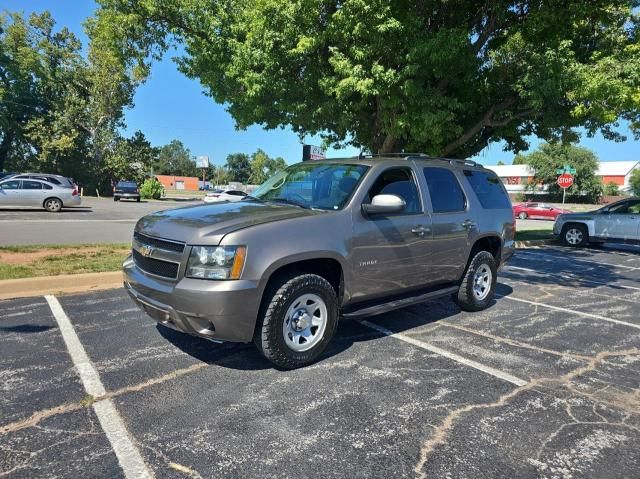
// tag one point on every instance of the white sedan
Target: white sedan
(217, 196)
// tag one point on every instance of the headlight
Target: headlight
(216, 262)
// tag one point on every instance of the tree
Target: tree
(238, 167)
(130, 158)
(550, 157)
(263, 167)
(634, 182)
(446, 78)
(175, 159)
(500, 163)
(36, 66)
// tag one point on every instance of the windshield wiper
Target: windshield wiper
(288, 201)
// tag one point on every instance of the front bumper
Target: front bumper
(221, 310)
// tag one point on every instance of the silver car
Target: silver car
(37, 193)
(618, 222)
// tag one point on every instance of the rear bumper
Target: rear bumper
(127, 195)
(221, 310)
(73, 201)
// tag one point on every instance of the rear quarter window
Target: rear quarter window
(488, 190)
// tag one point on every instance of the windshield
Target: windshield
(127, 184)
(325, 186)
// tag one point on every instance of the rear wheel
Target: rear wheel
(138, 199)
(53, 205)
(298, 321)
(575, 235)
(115, 198)
(478, 284)
(522, 215)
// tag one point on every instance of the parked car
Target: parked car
(618, 222)
(37, 193)
(217, 196)
(126, 190)
(320, 239)
(57, 180)
(4, 176)
(538, 211)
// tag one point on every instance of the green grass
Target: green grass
(53, 260)
(538, 234)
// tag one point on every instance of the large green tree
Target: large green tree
(263, 166)
(238, 167)
(634, 182)
(130, 158)
(550, 157)
(446, 78)
(175, 158)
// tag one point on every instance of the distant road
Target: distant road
(98, 220)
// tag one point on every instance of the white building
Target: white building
(516, 177)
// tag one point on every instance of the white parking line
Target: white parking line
(459, 359)
(573, 258)
(573, 277)
(571, 311)
(128, 455)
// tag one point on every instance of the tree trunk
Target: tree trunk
(5, 145)
(391, 144)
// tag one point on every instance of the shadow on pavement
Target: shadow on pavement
(25, 328)
(246, 356)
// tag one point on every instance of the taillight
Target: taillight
(75, 191)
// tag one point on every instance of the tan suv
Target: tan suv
(322, 240)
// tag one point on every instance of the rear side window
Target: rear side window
(31, 185)
(445, 191)
(488, 189)
(50, 179)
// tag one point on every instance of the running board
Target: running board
(398, 303)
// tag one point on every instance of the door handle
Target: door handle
(468, 224)
(420, 230)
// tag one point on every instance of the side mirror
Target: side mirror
(384, 204)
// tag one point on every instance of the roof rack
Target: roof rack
(422, 156)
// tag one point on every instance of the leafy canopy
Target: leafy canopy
(634, 182)
(446, 78)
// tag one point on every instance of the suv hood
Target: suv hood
(208, 223)
(583, 215)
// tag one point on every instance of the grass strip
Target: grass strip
(51, 260)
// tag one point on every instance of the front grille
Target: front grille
(158, 243)
(156, 266)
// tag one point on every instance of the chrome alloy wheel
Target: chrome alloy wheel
(573, 236)
(305, 322)
(482, 282)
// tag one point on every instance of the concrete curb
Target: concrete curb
(535, 243)
(66, 283)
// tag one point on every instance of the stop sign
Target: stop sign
(565, 180)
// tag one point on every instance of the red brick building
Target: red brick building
(172, 182)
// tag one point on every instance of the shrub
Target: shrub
(151, 188)
(611, 189)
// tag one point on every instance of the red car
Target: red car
(537, 211)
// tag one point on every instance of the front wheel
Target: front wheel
(522, 215)
(298, 321)
(478, 284)
(575, 235)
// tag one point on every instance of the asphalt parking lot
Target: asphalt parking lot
(545, 383)
(98, 220)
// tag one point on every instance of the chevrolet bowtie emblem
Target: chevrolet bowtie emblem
(146, 250)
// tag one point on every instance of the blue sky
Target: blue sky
(171, 106)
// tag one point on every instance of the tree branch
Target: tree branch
(487, 120)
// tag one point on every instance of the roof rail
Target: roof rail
(408, 156)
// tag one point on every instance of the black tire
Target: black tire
(522, 215)
(138, 199)
(467, 297)
(575, 235)
(52, 205)
(115, 198)
(270, 335)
